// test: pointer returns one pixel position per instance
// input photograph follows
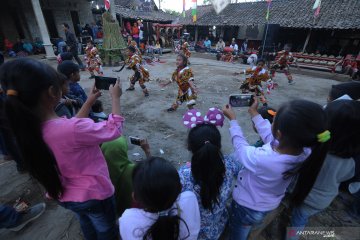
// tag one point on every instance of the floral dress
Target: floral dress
(212, 223)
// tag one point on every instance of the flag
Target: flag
(194, 12)
(107, 4)
(183, 13)
(316, 7)
(268, 10)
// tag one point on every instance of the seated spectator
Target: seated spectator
(200, 47)
(38, 46)
(28, 47)
(142, 46)
(235, 47)
(121, 169)
(61, 45)
(167, 213)
(100, 33)
(19, 48)
(72, 72)
(64, 56)
(220, 45)
(158, 49)
(149, 47)
(65, 107)
(9, 48)
(210, 174)
(207, 44)
(97, 114)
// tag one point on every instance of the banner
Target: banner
(194, 11)
(268, 10)
(316, 7)
(183, 13)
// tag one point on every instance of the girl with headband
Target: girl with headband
(211, 174)
(295, 144)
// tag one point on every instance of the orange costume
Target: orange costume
(282, 64)
(253, 82)
(140, 74)
(186, 93)
(185, 50)
(93, 60)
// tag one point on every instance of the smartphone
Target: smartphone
(103, 83)
(135, 140)
(241, 100)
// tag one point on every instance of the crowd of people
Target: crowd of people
(304, 153)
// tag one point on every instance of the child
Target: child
(65, 107)
(257, 74)
(93, 59)
(282, 63)
(64, 56)
(211, 174)
(298, 133)
(97, 114)
(184, 78)
(64, 154)
(166, 214)
(72, 72)
(141, 74)
(339, 165)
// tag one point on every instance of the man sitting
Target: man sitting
(220, 45)
(207, 44)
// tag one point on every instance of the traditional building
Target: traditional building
(337, 26)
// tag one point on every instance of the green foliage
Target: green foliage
(172, 12)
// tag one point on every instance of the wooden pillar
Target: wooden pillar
(112, 9)
(222, 32)
(196, 34)
(43, 29)
(307, 40)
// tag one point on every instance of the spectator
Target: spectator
(210, 175)
(258, 190)
(8, 45)
(135, 33)
(235, 47)
(121, 169)
(220, 45)
(65, 107)
(28, 47)
(100, 33)
(64, 56)
(244, 46)
(76, 92)
(352, 89)
(88, 30)
(149, 47)
(19, 48)
(207, 44)
(38, 46)
(158, 49)
(166, 212)
(15, 221)
(72, 42)
(95, 30)
(200, 47)
(61, 45)
(97, 112)
(64, 155)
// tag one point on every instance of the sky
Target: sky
(177, 5)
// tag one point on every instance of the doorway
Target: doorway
(76, 22)
(50, 23)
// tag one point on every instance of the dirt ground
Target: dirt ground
(147, 118)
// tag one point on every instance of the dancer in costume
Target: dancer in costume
(257, 74)
(93, 60)
(140, 73)
(184, 78)
(185, 51)
(282, 64)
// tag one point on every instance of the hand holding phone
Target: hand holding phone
(135, 141)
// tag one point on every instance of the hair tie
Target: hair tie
(193, 117)
(324, 136)
(207, 142)
(11, 92)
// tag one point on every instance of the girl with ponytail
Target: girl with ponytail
(211, 174)
(63, 154)
(166, 214)
(295, 144)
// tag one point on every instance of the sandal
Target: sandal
(130, 89)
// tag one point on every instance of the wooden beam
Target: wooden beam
(196, 34)
(307, 40)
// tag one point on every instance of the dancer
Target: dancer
(282, 64)
(140, 73)
(184, 77)
(93, 60)
(186, 51)
(257, 74)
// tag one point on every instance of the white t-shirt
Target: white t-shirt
(135, 222)
(235, 47)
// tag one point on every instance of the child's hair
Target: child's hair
(184, 59)
(300, 122)
(156, 186)
(66, 56)
(132, 49)
(68, 67)
(351, 88)
(344, 119)
(207, 162)
(97, 106)
(30, 79)
(267, 113)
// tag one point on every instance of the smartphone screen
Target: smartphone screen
(241, 100)
(103, 83)
(135, 141)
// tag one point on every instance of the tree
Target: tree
(172, 12)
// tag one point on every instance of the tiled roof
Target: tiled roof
(334, 14)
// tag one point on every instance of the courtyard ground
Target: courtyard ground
(147, 118)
